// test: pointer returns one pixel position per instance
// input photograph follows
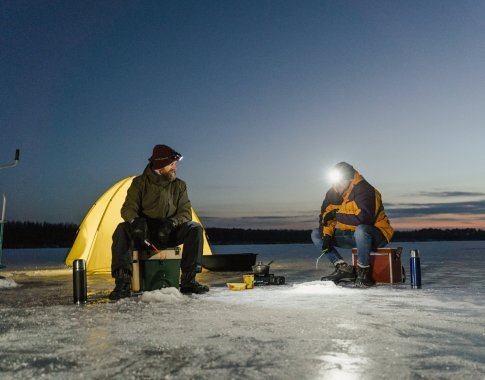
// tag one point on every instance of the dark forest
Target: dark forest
(62, 235)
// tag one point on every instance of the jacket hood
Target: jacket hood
(155, 178)
(357, 178)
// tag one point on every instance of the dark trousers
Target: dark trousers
(190, 234)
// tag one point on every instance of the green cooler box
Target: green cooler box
(160, 270)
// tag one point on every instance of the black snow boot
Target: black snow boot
(188, 285)
(122, 285)
(364, 277)
(343, 272)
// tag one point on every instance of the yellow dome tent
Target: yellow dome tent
(93, 240)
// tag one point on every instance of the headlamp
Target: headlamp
(335, 176)
(176, 156)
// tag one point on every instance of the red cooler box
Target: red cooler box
(386, 265)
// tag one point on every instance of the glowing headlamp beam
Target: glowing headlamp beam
(335, 176)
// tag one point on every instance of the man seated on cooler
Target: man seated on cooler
(157, 209)
(352, 216)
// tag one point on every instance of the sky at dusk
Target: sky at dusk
(261, 98)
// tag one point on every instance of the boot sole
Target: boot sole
(118, 298)
(345, 280)
(188, 293)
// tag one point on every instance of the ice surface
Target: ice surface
(304, 330)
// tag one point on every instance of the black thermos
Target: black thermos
(79, 282)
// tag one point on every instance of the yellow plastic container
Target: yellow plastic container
(236, 285)
(249, 280)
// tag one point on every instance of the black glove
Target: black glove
(139, 230)
(327, 244)
(329, 216)
(165, 231)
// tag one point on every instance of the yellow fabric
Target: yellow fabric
(94, 237)
(329, 229)
(382, 221)
(351, 207)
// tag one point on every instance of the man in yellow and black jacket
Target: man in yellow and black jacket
(352, 215)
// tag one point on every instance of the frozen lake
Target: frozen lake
(306, 329)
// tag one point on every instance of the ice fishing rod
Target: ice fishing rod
(151, 245)
(14, 163)
(163, 255)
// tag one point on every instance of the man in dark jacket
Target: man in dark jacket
(352, 215)
(157, 209)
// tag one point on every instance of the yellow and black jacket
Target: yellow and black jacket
(360, 204)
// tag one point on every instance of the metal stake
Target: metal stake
(2, 221)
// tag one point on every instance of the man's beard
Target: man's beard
(169, 176)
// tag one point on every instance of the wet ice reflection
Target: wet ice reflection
(340, 365)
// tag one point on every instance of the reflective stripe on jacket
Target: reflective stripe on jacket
(360, 204)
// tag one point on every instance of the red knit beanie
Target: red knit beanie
(162, 156)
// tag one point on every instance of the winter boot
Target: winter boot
(343, 272)
(122, 285)
(188, 285)
(364, 277)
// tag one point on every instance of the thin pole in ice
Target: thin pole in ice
(2, 221)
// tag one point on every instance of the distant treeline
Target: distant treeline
(243, 236)
(39, 235)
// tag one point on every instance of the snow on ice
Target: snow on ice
(6, 283)
(304, 330)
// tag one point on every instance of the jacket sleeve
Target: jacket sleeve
(365, 201)
(332, 201)
(132, 206)
(184, 207)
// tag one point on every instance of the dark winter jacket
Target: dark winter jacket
(153, 196)
(360, 204)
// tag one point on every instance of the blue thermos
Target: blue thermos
(415, 269)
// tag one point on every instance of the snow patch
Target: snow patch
(318, 287)
(165, 295)
(6, 283)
